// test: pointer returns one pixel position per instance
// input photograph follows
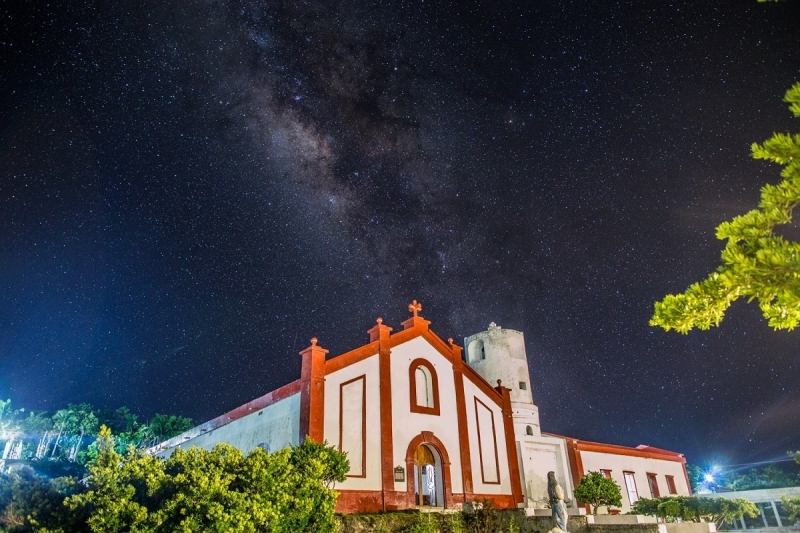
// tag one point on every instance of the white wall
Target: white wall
(371, 370)
(471, 391)
(640, 466)
(277, 425)
(407, 425)
(538, 456)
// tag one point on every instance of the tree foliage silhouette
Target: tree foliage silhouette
(757, 264)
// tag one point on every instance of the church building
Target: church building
(424, 424)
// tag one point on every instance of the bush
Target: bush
(792, 507)
(696, 508)
(218, 490)
(29, 502)
(597, 490)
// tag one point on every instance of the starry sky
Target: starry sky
(190, 190)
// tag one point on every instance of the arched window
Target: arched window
(422, 378)
(528, 430)
(424, 387)
(476, 351)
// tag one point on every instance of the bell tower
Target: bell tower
(499, 353)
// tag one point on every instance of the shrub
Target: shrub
(597, 490)
(217, 490)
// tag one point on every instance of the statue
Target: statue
(556, 495)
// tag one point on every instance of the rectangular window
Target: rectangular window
(606, 473)
(630, 486)
(768, 513)
(671, 485)
(732, 524)
(523, 385)
(754, 523)
(651, 480)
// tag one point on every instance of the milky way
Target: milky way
(191, 190)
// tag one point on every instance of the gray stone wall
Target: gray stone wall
(412, 521)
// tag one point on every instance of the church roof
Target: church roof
(413, 327)
(642, 450)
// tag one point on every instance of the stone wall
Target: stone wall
(452, 522)
(402, 522)
(538, 524)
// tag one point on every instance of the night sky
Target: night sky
(191, 190)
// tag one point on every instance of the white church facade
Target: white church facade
(425, 425)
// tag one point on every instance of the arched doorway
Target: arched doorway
(427, 450)
(428, 479)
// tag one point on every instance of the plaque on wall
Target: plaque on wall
(399, 473)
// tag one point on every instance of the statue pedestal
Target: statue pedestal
(530, 511)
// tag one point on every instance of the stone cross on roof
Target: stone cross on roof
(415, 307)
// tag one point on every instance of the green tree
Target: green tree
(768, 477)
(63, 421)
(9, 429)
(117, 495)
(696, 476)
(219, 490)
(84, 424)
(37, 427)
(163, 427)
(29, 502)
(647, 507)
(596, 490)
(756, 263)
(792, 507)
(696, 508)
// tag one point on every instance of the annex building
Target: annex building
(425, 424)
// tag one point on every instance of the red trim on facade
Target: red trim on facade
(387, 446)
(463, 428)
(484, 386)
(403, 336)
(427, 437)
(379, 331)
(352, 357)
(412, 379)
(363, 378)
(500, 501)
(661, 451)
(440, 345)
(369, 501)
(575, 463)
(359, 501)
(312, 393)
(511, 445)
(416, 322)
(396, 500)
(576, 446)
(421, 331)
(648, 452)
(686, 476)
(480, 444)
(598, 447)
(624, 450)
